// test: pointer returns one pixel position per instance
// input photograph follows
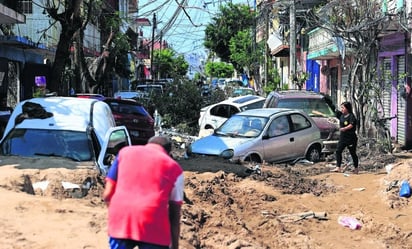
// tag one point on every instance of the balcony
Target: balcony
(10, 16)
(322, 45)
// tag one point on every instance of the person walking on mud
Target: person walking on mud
(144, 194)
(348, 137)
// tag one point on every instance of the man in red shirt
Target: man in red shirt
(144, 194)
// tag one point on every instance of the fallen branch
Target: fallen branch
(298, 216)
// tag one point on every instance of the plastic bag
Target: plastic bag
(405, 190)
(350, 222)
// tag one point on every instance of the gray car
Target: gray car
(266, 134)
(317, 105)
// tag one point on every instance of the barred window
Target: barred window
(26, 6)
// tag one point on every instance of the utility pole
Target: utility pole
(151, 52)
(266, 75)
(292, 42)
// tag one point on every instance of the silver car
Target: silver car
(272, 135)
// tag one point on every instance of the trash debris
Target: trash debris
(41, 185)
(350, 222)
(405, 190)
(392, 184)
(390, 166)
(254, 170)
(69, 185)
(358, 189)
(301, 216)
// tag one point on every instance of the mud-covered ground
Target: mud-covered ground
(226, 205)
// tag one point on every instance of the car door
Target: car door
(219, 114)
(303, 134)
(115, 139)
(279, 144)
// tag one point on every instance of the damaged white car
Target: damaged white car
(77, 137)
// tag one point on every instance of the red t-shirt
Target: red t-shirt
(146, 179)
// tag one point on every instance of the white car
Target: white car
(80, 131)
(212, 116)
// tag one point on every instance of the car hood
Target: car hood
(48, 176)
(214, 144)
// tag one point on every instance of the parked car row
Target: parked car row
(212, 116)
(284, 126)
(130, 113)
(245, 128)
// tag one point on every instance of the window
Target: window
(26, 6)
(279, 126)
(299, 122)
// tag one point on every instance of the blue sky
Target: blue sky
(183, 32)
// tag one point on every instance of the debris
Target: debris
(350, 222)
(405, 190)
(302, 216)
(41, 185)
(69, 185)
(359, 189)
(392, 184)
(254, 170)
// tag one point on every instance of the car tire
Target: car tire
(253, 158)
(313, 154)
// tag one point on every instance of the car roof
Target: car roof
(242, 100)
(298, 94)
(267, 112)
(79, 108)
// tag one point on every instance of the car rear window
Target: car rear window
(255, 105)
(311, 106)
(128, 109)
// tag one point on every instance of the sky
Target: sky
(183, 32)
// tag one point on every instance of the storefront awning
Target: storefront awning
(282, 51)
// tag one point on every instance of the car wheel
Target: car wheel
(313, 154)
(253, 158)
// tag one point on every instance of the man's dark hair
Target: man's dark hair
(163, 141)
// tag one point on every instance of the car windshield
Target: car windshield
(313, 107)
(34, 142)
(242, 126)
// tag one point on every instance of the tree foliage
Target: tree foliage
(242, 52)
(73, 16)
(231, 19)
(219, 69)
(169, 65)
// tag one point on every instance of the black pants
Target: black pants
(352, 150)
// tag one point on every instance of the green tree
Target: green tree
(357, 25)
(231, 19)
(242, 53)
(169, 65)
(73, 16)
(219, 69)
(273, 82)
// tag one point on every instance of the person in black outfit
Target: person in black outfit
(348, 137)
